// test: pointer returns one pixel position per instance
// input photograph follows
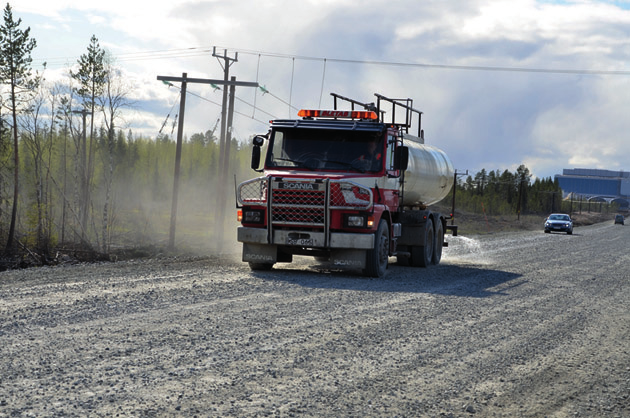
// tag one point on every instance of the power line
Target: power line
(240, 113)
(439, 66)
(202, 51)
(188, 92)
(136, 56)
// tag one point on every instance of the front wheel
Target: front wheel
(377, 258)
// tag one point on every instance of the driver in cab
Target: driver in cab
(372, 159)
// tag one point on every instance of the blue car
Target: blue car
(559, 222)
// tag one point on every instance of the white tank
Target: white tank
(429, 175)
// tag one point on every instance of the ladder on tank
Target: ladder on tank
(405, 104)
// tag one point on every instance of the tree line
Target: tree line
(503, 193)
(514, 193)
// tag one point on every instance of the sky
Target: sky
(500, 83)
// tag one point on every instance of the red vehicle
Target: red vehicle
(345, 187)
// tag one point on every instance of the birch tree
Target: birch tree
(39, 144)
(112, 101)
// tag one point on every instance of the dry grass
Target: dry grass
(478, 224)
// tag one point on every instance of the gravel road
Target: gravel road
(509, 325)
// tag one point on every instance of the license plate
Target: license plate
(304, 242)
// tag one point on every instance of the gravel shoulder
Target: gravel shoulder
(511, 324)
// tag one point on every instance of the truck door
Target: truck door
(392, 144)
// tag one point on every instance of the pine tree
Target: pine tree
(15, 72)
(91, 77)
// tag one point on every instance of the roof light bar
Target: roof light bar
(345, 114)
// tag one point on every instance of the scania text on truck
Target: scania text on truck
(346, 187)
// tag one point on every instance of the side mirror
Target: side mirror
(401, 158)
(258, 141)
(255, 157)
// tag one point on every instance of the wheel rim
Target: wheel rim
(383, 251)
(439, 242)
(428, 246)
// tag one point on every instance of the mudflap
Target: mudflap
(412, 235)
(260, 253)
(348, 258)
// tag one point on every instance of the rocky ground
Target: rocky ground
(511, 324)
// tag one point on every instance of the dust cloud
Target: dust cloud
(142, 218)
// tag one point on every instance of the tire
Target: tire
(422, 255)
(377, 258)
(439, 243)
(260, 266)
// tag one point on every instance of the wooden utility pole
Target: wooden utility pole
(180, 129)
(178, 159)
(224, 144)
(227, 62)
(454, 190)
(224, 169)
(520, 197)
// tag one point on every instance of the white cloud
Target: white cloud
(590, 133)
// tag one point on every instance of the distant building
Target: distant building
(596, 185)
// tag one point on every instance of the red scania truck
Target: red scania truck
(346, 187)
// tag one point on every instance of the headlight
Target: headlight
(252, 216)
(355, 221)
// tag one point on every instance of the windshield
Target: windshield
(559, 217)
(313, 149)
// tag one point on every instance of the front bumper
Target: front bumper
(558, 228)
(304, 239)
(341, 250)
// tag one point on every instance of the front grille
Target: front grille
(298, 203)
(303, 202)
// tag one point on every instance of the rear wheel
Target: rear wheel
(422, 255)
(377, 258)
